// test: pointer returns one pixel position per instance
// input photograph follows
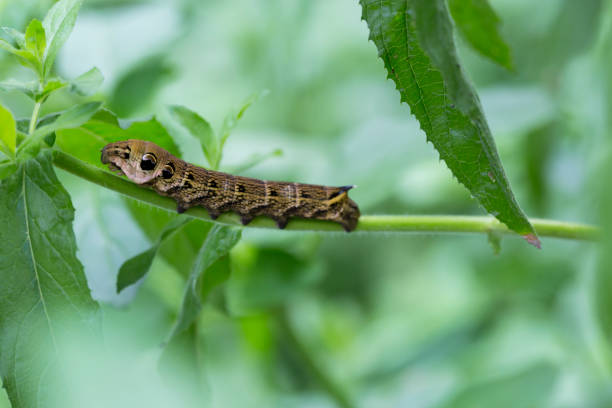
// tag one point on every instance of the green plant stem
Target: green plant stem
(34, 117)
(372, 223)
(308, 362)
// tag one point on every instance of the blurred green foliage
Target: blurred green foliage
(394, 320)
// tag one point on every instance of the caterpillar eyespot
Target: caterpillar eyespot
(167, 171)
(218, 192)
(148, 162)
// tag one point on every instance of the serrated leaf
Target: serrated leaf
(71, 118)
(478, 24)
(200, 129)
(15, 35)
(29, 88)
(87, 83)
(44, 295)
(58, 24)
(8, 136)
(219, 242)
(86, 141)
(415, 41)
(137, 267)
(35, 40)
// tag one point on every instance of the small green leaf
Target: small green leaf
(8, 136)
(478, 24)
(219, 242)
(73, 117)
(137, 267)
(50, 87)
(180, 248)
(87, 83)
(17, 36)
(106, 116)
(44, 297)
(199, 128)
(4, 45)
(23, 124)
(58, 24)
(35, 39)
(415, 41)
(29, 88)
(25, 57)
(47, 120)
(231, 120)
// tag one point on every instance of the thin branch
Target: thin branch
(370, 223)
(34, 118)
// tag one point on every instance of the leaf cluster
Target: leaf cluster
(212, 144)
(36, 49)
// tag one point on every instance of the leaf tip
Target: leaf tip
(120, 286)
(533, 240)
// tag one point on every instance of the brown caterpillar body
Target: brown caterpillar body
(148, 164)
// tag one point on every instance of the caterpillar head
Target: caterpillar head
(351, 213)
(141, 161)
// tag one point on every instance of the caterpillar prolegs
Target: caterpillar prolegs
(148, 164)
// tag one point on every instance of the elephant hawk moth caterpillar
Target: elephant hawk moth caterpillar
(147, 164)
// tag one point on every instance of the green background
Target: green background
(394, 319)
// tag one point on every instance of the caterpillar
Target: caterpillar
(147, 164)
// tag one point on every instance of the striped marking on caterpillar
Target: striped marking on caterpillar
(147, 164)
